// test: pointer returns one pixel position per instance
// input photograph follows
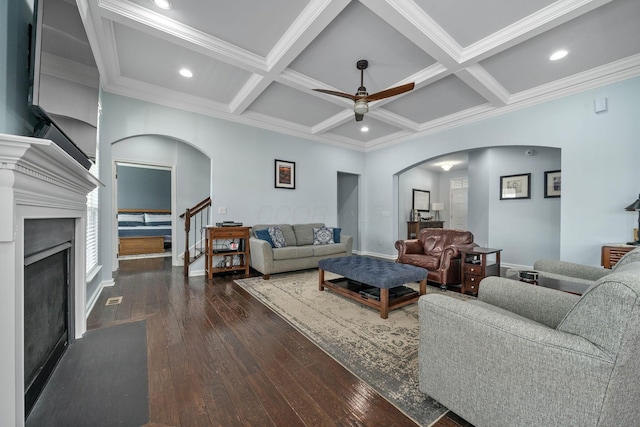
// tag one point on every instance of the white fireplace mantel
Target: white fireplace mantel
(37, 180)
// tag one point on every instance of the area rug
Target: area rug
(381, 352)
(101, 381)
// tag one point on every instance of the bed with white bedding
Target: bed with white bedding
(143, 231)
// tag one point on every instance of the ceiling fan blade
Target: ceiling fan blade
(390, 92)
(359, 117)
(341, 94)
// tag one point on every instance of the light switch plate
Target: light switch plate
(600, 105)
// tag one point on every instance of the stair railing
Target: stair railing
(195, 221)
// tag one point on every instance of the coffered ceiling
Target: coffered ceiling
(256, 62)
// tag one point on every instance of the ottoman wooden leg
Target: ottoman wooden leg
(423, 287)
(321, 279)
(384, 302)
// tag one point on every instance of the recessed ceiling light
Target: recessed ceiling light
(186, 72)
(163, 4)
(558, 55)
(364, 129)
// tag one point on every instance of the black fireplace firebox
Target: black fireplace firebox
(48, 300)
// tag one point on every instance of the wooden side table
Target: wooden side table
(241, 251)
(414, 227)
(474, 267)
(611, 253)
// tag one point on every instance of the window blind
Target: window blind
(92, 225)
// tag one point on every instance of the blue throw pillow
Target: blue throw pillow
(264, 235)
(336, 234)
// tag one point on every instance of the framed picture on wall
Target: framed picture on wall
(285, 174)
(552, 184)
(515, 186)
(421, 200)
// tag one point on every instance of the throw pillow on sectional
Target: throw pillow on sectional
(264, 235)
(277, 237)
(323, 235)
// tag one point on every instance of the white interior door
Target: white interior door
(459, 208)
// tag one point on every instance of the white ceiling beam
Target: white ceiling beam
(313, 19)
(333, 122)
(395, 120)
(542, 20)
(413, 23)
(478, 79)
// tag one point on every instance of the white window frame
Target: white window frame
(93, 224)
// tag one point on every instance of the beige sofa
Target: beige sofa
(300, 252)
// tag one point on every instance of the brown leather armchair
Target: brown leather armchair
(437, 250)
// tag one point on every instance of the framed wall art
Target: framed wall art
(285, 172)
(552, 184)
(515, 186)
(421, 200)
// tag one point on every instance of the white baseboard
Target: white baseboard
(377, 255)
(193, 273)
(516, 266)
(94, 298)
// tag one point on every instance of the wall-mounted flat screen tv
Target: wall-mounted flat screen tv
(65, 80)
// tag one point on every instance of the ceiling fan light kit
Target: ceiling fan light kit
(361, 98)
(361, 106)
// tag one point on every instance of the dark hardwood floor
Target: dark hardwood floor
(218, 357)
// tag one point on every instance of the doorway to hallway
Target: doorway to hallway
(459, 202)
(348, 206)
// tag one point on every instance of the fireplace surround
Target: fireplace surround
(38, 180)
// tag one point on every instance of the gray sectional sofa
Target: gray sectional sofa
(525, 355)
(563, 270)
(300, 252)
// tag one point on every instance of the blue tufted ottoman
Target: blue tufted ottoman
(372, 273)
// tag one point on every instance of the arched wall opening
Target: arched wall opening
(191, 173)
(522, 227)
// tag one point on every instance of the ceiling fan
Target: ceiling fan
(362, 98)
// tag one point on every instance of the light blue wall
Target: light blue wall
(242, 165)
(525, 229)
(479, 195)
(599, 169)
(144, 188)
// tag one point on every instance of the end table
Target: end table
(474, 267)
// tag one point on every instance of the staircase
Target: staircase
(195, 221)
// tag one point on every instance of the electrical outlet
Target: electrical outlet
(222, 210)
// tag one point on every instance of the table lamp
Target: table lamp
(437, 207)
(635, 206)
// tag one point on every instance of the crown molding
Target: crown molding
(145, 20)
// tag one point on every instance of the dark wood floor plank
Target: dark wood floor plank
(219, 357)
(188, 388)
(162, 407)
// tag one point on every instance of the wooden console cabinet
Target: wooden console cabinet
(220, 258)
(414, 227)
(612, 253)
(140, 245)
(474, 267)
